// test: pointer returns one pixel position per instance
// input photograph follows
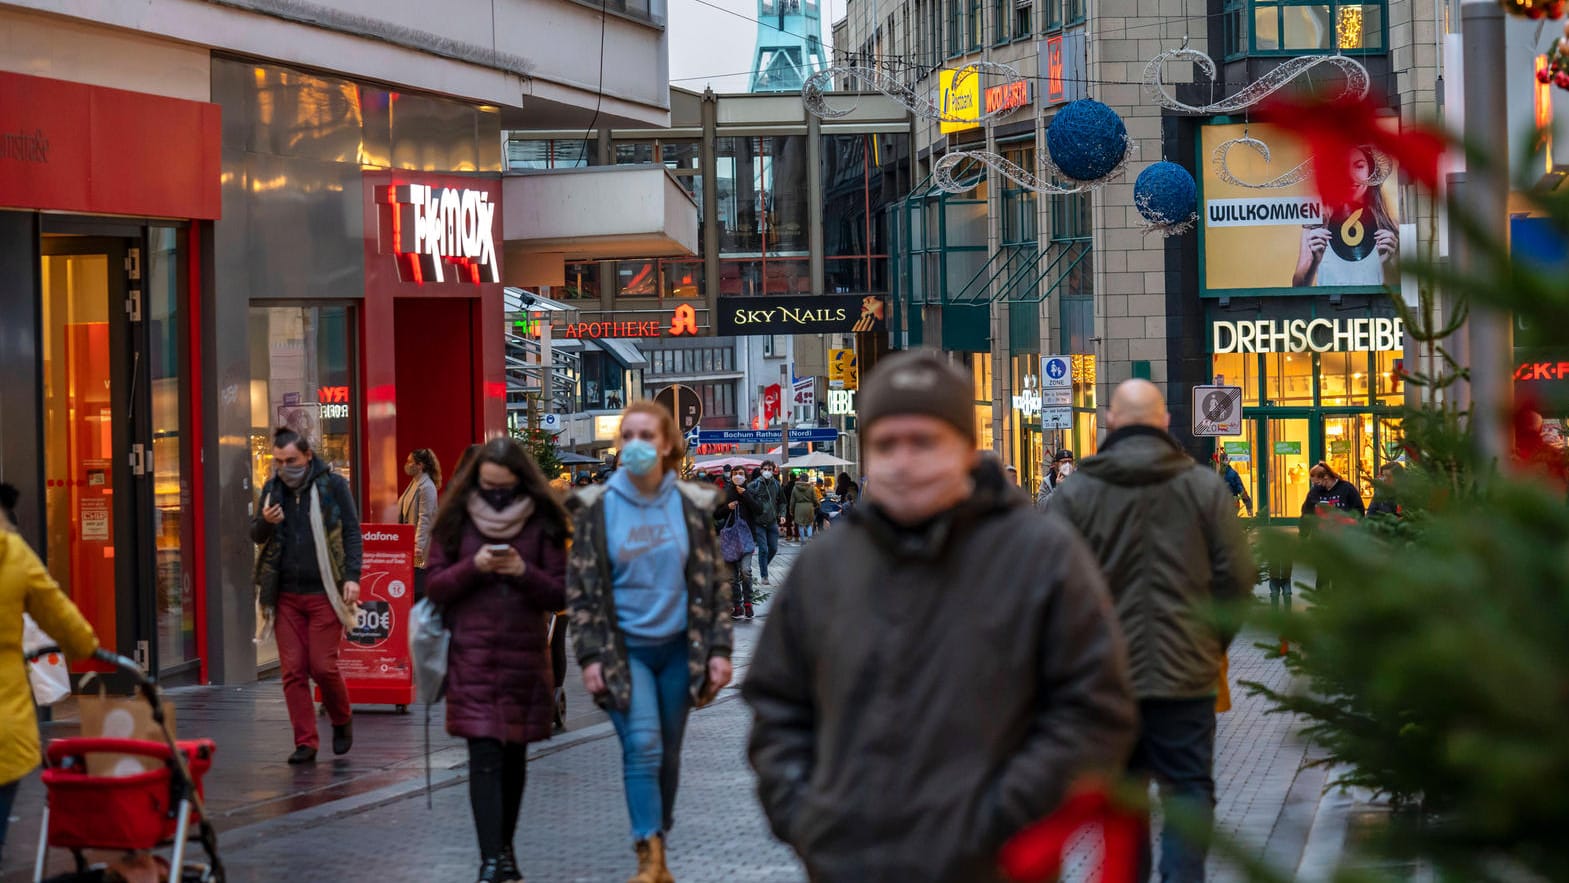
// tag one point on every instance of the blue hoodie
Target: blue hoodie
(648, 548)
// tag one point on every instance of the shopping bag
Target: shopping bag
(50, 679)
(428, 644)
(735, 541)
(1223, 692)
(122, 717)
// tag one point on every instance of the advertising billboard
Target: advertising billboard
(1285, 240)
(962, 102)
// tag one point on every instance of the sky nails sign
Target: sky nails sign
(801, 314)
(440, 234)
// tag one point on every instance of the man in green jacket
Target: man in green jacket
(1166, 533)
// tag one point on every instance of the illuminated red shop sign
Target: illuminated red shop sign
(683, 323)
(439, 234)
(1008, 96)
(1529, 371)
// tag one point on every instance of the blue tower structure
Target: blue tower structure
(789, 45)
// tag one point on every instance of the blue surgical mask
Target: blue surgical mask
(639, 457)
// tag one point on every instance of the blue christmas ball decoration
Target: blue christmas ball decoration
(1086, 140)
(1165, 194)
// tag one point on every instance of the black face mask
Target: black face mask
(498, 498)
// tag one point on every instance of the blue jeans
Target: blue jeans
(651, 731)
(7, 797)
(766, 535)
(1176, 747)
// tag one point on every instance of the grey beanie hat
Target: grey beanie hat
(918, 382)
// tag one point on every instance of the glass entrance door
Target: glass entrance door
(88, 411)
(1290, 452)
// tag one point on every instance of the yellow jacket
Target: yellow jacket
(25, 585)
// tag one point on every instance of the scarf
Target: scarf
(503, 525)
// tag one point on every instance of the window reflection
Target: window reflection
(1288, 379)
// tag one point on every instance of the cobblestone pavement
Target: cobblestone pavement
(574, 824)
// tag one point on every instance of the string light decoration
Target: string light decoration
(1354, 86)
(814, 92)
(1167, 197)
(1088, 151)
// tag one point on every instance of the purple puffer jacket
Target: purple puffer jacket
(498, 669)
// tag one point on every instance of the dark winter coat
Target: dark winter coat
(287, 560)
(1165, 530)
(770, 497)
(591, 595)
(920, 695)
(750, 511)
(499, 679)
(1343, 496)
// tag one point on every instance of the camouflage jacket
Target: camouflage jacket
(591, 595)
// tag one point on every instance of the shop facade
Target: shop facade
(1320, 381)
(358, 268)
(106, 199)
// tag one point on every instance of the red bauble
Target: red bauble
(1544, 76)
(1561, 79)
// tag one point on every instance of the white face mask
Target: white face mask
(738, 478)
(768, 473)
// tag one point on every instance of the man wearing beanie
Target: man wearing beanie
(935, 675)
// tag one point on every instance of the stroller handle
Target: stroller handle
(107, 657)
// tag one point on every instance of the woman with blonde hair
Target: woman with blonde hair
(649, 596)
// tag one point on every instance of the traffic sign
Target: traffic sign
(1056, 371)
(816, 434)
(1217, 410)
(550, 422)
(682, 401)
(1056, 418)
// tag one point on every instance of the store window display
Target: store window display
(301, 360)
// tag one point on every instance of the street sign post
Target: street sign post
(1217, 410)
(813, 434)
(1056, 392)
(684, 402)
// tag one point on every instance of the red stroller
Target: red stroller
(134, 814)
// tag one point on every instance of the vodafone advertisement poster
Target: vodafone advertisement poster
(374, 657)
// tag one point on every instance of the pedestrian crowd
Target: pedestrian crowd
(940, 670)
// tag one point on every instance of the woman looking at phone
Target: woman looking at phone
(497, 565)
(649, 596)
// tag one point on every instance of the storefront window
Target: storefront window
(1238, 369)
(1288, 380)
(1343, 379)
(634, 153)
(1390, 388)
(302, 378)
(582, 282)
(172, 509)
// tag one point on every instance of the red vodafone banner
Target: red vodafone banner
(374, 657)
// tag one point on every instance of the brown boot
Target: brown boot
(651, 862)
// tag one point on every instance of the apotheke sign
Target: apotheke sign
(441, 234)
(1308, 335)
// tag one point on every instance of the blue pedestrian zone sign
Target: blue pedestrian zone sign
(1055, 368)
(815, 434)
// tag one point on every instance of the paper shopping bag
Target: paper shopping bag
(121, 717)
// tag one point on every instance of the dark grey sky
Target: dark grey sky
(716, 47)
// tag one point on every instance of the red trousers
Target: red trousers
(308, 635)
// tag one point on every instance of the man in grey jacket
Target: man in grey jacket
(1165, 530)
(937, 672)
